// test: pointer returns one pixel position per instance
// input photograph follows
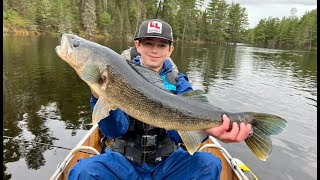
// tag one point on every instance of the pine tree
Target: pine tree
(88, 17)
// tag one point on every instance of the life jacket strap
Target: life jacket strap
(145, 148)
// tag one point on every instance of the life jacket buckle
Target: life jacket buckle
(149, 140)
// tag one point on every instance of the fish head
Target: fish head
(74, 50)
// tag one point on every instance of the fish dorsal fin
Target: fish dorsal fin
(148, 74)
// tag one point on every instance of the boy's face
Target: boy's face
(153, 51)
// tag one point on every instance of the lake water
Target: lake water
(45, 101)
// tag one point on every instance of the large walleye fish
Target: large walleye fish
(135, 90)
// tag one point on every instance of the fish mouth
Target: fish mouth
(64, 47)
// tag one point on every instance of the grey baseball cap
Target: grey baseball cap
(155, 28)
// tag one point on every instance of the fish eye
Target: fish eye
(76, 43)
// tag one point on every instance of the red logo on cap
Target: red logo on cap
(154, 25)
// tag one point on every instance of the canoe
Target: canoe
(232, 168)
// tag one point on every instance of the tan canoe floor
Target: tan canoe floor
(93, 141)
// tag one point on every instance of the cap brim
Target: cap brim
(153, 37)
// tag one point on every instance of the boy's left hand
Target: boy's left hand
(235, 135)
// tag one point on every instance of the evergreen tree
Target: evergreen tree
(44, 14)
(217, 11)
(287, 32)
(259, 34)
(186, 20)
(88, 17)
(307, 32)
(237, 23)
(271, 31)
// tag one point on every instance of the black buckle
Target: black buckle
(148, 140)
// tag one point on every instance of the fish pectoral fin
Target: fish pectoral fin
(91, 73)
(192, 140)
(101, 110)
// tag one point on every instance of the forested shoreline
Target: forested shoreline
(217, 23)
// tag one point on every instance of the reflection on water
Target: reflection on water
(45, 101)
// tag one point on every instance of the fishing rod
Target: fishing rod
(44, 144)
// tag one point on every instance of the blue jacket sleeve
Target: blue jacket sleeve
(183, 84)
(115, 125)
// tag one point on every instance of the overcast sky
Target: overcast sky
(259, 9)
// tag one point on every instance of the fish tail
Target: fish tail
(263, 125)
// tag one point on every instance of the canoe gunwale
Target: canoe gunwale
(231, 161)
(61, 166)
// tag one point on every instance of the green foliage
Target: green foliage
(248, 36)
(186, 19)
(105, 19)
(203, 26)
(218, 23)
(5, 5)
(45, 14)
(271, 31)
(307, 31)
(88, 17)
(13, 18)
(287, 33)
(150, 9)
(217, 11)
(237, 23)
(65, 21)
(133, 13)
(259, 35)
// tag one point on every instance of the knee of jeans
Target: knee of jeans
(214, 165)
(87, 166)
(211, 160)
(82, 170)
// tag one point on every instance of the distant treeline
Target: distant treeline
(217, 23)
(290, 33)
